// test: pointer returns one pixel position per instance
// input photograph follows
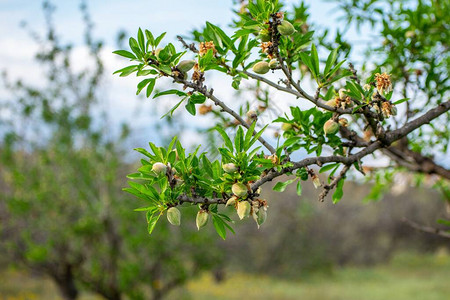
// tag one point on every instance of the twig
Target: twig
(327, 188)
(437, 231)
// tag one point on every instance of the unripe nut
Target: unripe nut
(261, 216)
(264, 35)
(261, 67)
(330, 127)
(202, 219)
(159, 168)
(239, 189)
(286, 28)
(186, 65)
(174, 216)
(229, 168)
(273, 63)
(231, 201)
(243, 209)
(286, 126)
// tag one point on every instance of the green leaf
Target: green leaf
(170, 92)
(225, 137)
(327, 168)
(150, 37)
(158, 39)
(141, 40)
(281, 186)
(142, 85)
(190, 107)
(257, 135)
(400, 101)
(150, 87)
(299, 188)
(172, 110)
(330, 61)
(125, 53)
(338, 193)
(152, 219)
(219, 226)
(248, 136)
(315, 60)
(239, 140)
(127, 70)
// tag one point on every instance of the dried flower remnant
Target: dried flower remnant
(205, 46)
(204, 109)
(383, 82)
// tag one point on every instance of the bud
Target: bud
(261, 67)
(261, 216)
(285, 28)
(159, 168)
(273, 63)
(342, 94)
(366, 87)
(243, 209)
(174, 216)
(316, 181)
(343, 122)
(229, 168)
(202, 218)
(286, 126)
(251, 114)
(239, 189)
(330, 127)
(231, 201)
(264, 35)
(186, 65)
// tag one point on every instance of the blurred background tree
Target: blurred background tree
(63, 212)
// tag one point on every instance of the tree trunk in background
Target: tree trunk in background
(66, 284)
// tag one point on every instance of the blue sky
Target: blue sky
(172, 16)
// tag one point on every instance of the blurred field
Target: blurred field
(408, 276)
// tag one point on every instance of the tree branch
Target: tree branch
(224, 107)
(437, 231)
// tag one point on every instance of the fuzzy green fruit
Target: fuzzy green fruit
(159, 168)
(261, 67)
(261, 216)
(202, 219)
(231, 201)
(239, 189)
(243, 209)
(273, 63)
(286, 126)
(264, 35)
(186, 65)
(330, 127)
(229, 168)
(174, 216)
(286, 28)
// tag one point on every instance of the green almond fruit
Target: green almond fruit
(239, 189)
(330, 127)
(261, 67)
(186, 65)
(174, 216)
(243, 209)
(202, 219)
(286, 28)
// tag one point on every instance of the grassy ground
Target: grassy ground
(406, 277)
